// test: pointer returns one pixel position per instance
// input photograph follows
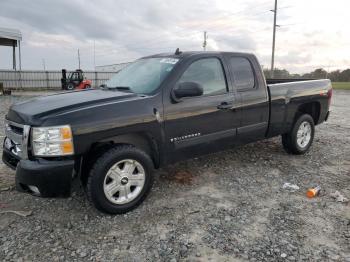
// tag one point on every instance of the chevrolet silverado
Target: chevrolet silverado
(158, 110)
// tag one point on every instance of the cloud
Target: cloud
(241, 41)
(62, 17)
(125, 30)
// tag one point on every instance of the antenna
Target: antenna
(177, 51)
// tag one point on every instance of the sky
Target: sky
(311, 34)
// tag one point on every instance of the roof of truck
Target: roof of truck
(191, 53)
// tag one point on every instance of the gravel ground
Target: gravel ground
(228, 206)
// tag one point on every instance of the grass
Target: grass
(341, 85)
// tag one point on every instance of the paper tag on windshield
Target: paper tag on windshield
(169, 60)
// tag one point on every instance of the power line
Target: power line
(151, 49)
(229, 23)
(107, 51)
(143, 47)
(155, 40)
(154, 44)
(222, 16)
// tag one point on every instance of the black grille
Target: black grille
(16, 129)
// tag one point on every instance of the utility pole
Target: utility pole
(328, 70)
(273, 39)
(94, 57)
(205, 41)
(78, 58)
(19, 55)
(14, 56)
(44, 64)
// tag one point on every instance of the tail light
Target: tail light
(329, 94)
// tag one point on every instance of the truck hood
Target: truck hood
(40, 108)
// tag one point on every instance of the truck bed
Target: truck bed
(286, 80)
(286, 98)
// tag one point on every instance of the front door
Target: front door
(202, 124)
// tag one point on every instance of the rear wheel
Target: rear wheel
(300, 138)
(87, 86)
(120, 180)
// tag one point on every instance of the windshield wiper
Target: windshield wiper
(120, 88)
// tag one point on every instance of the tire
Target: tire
(299, 144)
(111, 172)
(87, 86)
(70, 86)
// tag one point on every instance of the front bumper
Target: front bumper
(41, 177)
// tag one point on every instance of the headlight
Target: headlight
(52, 141)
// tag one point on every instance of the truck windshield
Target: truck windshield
(143, 76)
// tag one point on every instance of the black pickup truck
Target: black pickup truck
(158, 110)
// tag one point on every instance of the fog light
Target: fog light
(8, 143)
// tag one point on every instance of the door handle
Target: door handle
(225, 106)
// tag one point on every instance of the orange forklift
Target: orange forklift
(75, 80)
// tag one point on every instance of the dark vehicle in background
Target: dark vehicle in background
(75, 80)
(156, 111)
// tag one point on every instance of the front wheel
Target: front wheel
(300, 138)
(120, 180)
(70, 86)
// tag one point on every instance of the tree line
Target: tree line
(335, 76)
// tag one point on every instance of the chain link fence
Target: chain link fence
(45, 80)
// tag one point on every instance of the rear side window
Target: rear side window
(243, 73)
(207, 72)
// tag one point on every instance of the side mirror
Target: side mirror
(187, 89)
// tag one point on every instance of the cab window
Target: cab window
(208, 72)
(243, 73)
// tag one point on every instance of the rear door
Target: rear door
(251, 88)
(203, 124)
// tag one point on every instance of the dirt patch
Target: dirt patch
(228, 206)
(182, 177)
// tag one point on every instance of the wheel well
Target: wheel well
(313, 109)
(142, 141)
